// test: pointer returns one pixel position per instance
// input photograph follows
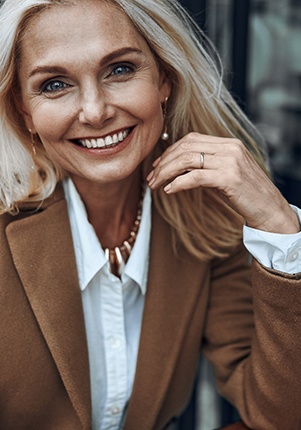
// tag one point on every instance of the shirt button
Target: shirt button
(293, 256)
(114, 343)
(115, 410)
(113, 279)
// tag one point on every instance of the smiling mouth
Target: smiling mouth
(104, 142)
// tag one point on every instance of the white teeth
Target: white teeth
(107, 141)
(100, 143)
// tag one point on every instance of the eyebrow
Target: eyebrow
(105, 60)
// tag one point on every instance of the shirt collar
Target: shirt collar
(90, 257)
(137, 264)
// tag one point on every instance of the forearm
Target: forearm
(256, 349)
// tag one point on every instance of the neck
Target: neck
(111, 208)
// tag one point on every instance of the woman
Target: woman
(109, 287)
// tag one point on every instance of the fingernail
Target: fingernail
(156, 162)
(167, 189)
(150, 175)
(152, 181)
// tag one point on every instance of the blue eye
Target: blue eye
(122, 70)
(54, 86)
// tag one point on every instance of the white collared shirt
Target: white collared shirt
(113, 308)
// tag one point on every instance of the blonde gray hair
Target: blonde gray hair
(199, 103)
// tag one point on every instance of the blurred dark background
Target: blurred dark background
(259, 42)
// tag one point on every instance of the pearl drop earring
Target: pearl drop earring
(165, 135)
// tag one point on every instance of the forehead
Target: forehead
(79, 27)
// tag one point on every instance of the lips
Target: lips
(104, 142)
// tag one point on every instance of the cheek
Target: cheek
(50, 122)
(147, 106)
(154, 116)
(55, 152)
(59, 154)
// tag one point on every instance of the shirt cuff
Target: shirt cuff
(280, 252)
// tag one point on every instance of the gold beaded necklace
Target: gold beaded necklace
(119, 255)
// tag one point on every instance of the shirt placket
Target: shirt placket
(112, 319)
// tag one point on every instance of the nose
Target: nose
(95, 108)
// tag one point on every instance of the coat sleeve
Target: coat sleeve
(253, 339)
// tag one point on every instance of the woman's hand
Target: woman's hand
(199, 160)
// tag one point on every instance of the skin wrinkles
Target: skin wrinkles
(107, 59)
(89, 85)
(94, 102)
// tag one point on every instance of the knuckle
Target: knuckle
(232, 179)
(185, 145)
(176, 183)
(235, 165)
(186, 158)
(193, 135)
(196, 175)
(237, 147)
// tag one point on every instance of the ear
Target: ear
(165, 87)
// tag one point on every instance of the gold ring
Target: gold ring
(202, 159)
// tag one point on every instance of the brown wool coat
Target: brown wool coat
(44, 373)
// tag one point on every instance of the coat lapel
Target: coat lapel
(42, 249)
(173, 286)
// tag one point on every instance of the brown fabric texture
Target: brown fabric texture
(251, 332)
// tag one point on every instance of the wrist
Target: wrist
(283, 221)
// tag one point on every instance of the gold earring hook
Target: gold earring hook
(33, 142)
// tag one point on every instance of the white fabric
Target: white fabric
(113, 311)
(281, 252)
(113, 308)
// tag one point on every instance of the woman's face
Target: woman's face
(91, 90)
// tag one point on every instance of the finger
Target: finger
(229, 159)
(156, 162)
(193, 179)
(185, 162)
(228, 154)
(197, 146)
